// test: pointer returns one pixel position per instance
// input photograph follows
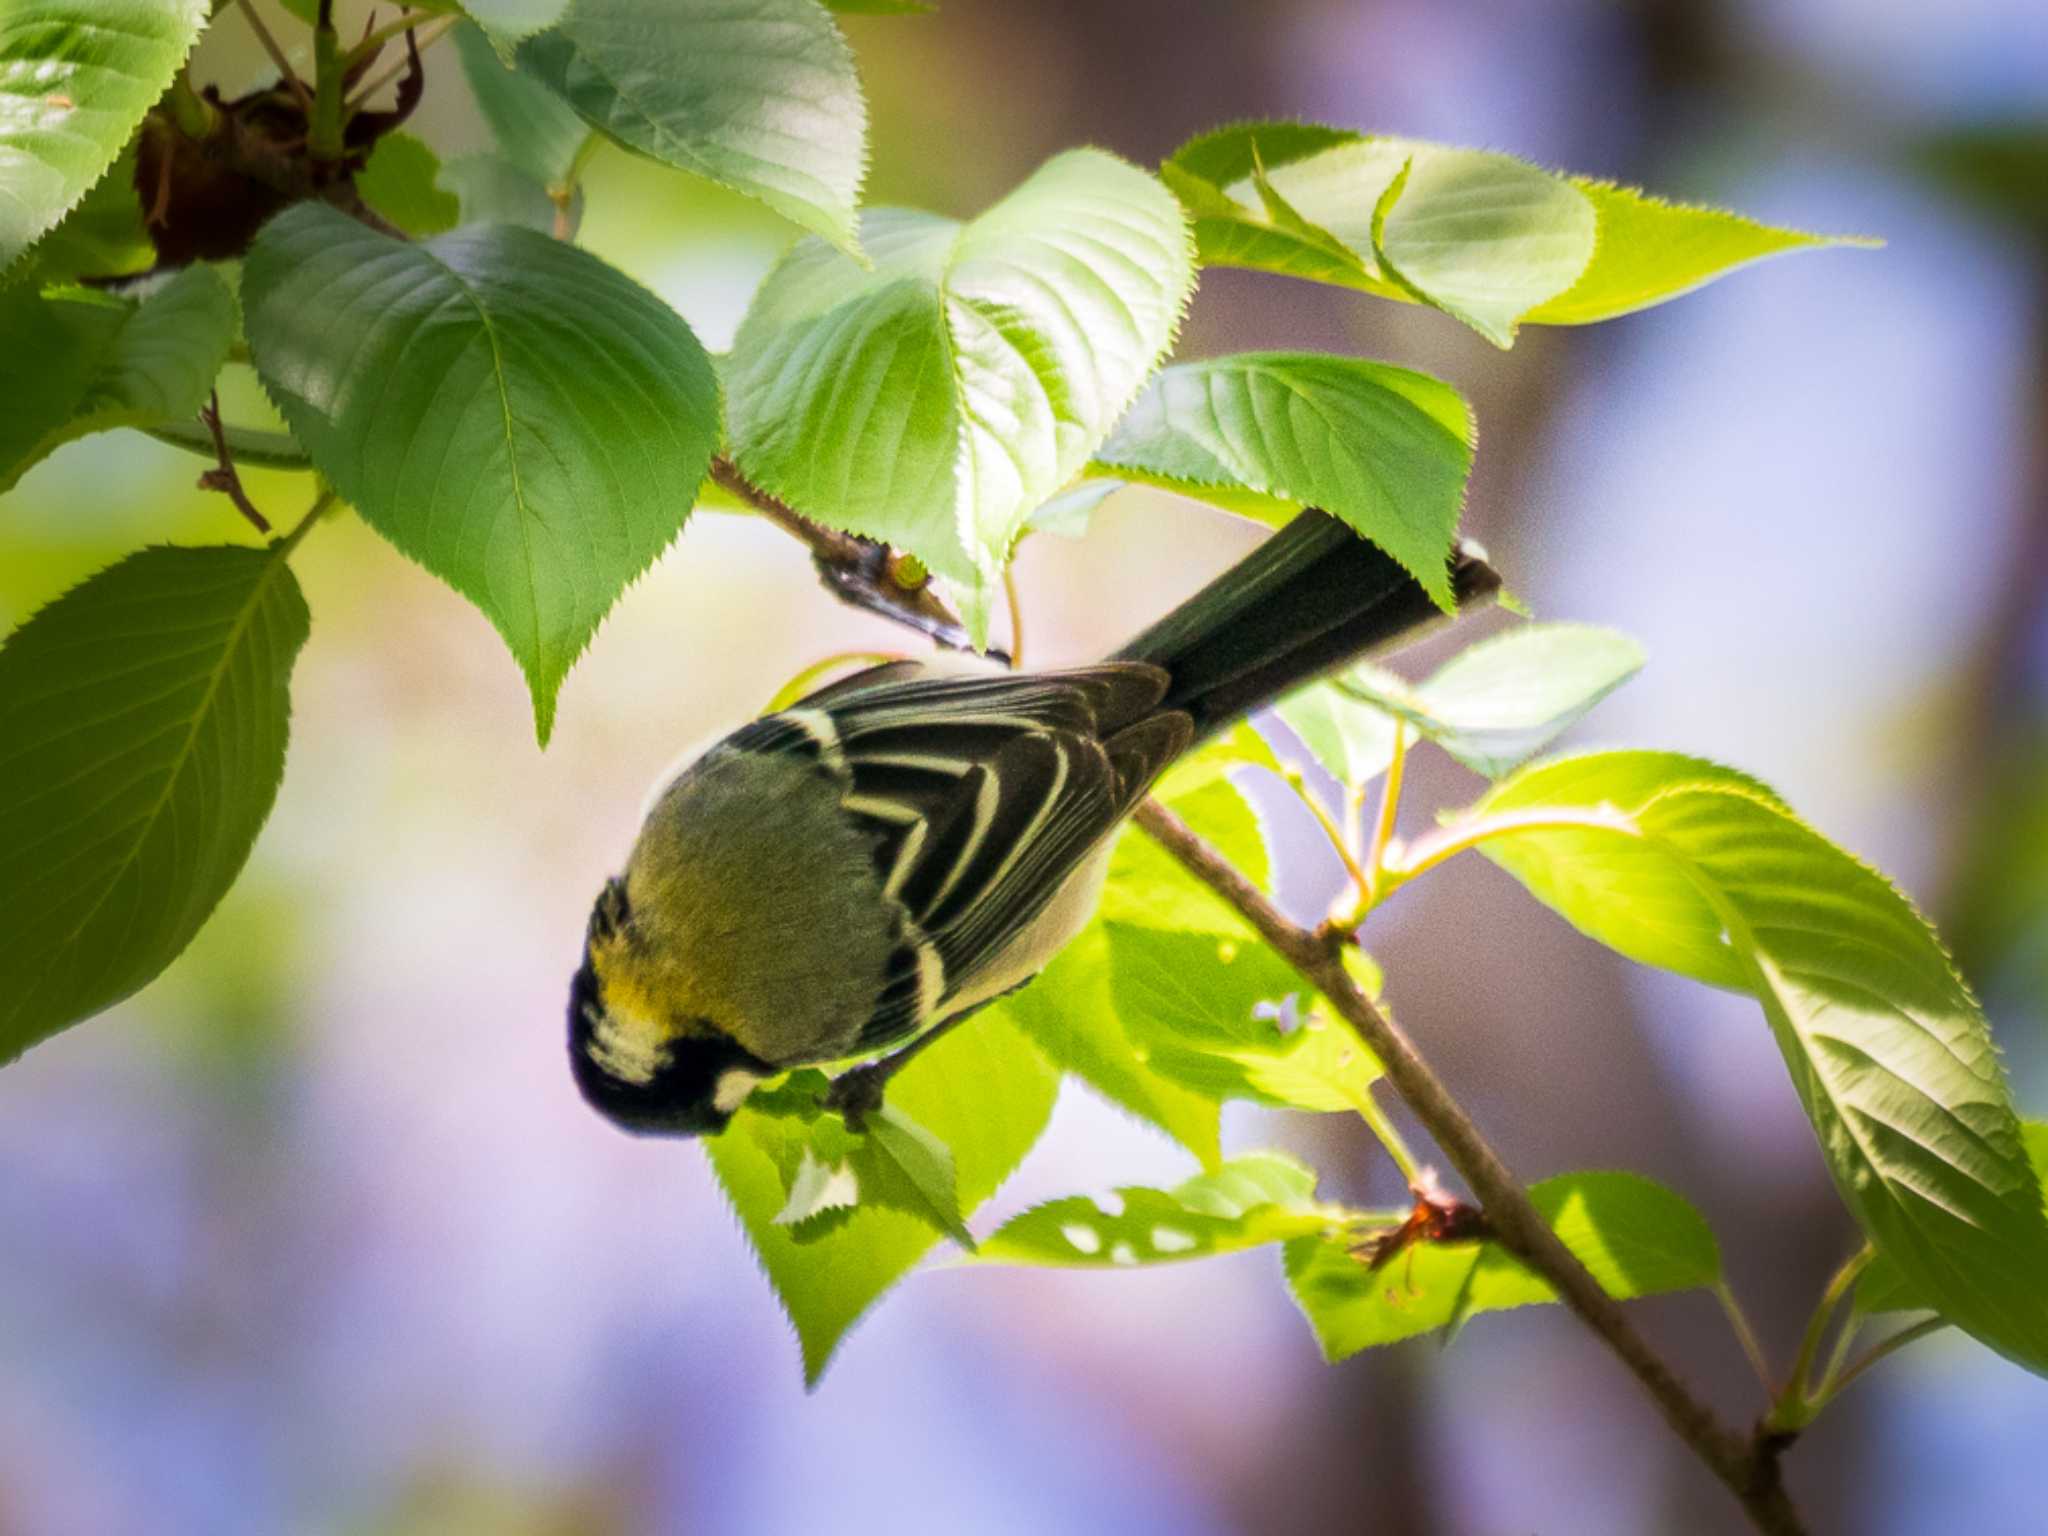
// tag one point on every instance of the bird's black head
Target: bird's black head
(636, 1072)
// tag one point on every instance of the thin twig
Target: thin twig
(1749, 1467)
(284, 69)
(855, 570)
(419, 42)
(223, 477)
(1016, 615)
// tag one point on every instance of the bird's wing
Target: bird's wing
(983, 795)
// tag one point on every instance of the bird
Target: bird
(865, 868)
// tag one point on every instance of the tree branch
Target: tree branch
(858, 571)
(1747, 1466)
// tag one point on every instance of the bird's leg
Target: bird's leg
(858, 1094)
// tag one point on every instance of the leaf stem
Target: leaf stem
(377, 37)
(322, 501)
(1747, 1466)
(1745, 1335)
(285, 71)
(1798, 1400)
(324, 127)
(1016, 614)
(1884, 1347)
(1439, 847)
(805, 681)
(1388, 1135)
(1383, 824)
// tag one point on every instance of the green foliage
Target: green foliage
(1637, 1238)
(984, 1092)
(937, 397)
(1883, 1286)
(1267, 433)
(76, 77)
(1488, 239)
(107, 362)
(144, 717)
(1683, 864)
(1493, 706)
(574, 402)
(402, 184)
(535, 129)
(102, 237)
(489, 189)
(1259, 1198)
(757, 95)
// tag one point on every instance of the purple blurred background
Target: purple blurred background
(314, 1235)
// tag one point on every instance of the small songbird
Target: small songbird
(877, 861)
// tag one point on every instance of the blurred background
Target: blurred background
(314, 1234)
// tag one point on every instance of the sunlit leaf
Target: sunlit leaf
(103, 236)
(1485, 237)
(1384, 449)
(535, 129)
(936, 399)
(1258, 1198)
(76, 77)
(520, 418)
(1494, 705)
(983, 1092)
(1682, 864)
(143, 718)
(1637, 1237)
(757, 95)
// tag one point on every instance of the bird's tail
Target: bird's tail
(1310, 599)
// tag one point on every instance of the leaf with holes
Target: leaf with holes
(756, 95)
(76, 77)
(143, 718)
(1252, 1200)
(983, 1092)
(1637, 1237)
(1489, 239)
(520, 418)
(106, 362)
(1265, 434)
(1683, 864)
(936, 399)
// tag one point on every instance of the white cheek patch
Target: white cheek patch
(626, 1047)
(734, 1084)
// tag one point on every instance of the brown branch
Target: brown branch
(1748, 1466)
(223, 477)
(858, 571)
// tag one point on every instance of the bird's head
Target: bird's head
(638, 1066)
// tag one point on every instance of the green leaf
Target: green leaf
(983, 1092)
(534, 128)
(103, 236)
(507, 20)
(1882, 1287)
(1492, 707)
(523, 420)
(1252, 1200)
(107, 362)
(1682, 864)
(492, 190)
(910, 1169)
(1350, 738)
(1637, 1237)
(881, 7)
(757, 95)
(1385, 449)
(1649, 251)
(1069, 1015)
(1070, 1011)
(247, 445)
(76, 77)
(400, 185)
(1489, 239)
(143, 718)
(1068, 513)
(937, 398)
